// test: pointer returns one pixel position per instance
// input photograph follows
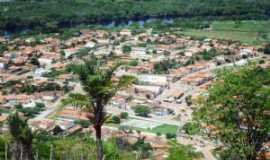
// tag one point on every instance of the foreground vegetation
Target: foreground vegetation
(23, 144)
(99, 87)
(238, 107)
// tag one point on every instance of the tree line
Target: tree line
(51, 15)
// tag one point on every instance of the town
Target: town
(173, 72)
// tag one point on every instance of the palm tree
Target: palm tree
(22, 137)
(99, 86)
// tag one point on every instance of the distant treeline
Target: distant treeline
(51, 15)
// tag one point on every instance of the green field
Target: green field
(165, 128)
(249, 32)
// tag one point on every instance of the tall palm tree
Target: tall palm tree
(99, 86)
(22, 137)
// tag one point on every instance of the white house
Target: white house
(157, 80)
(2, 66)
(246, 52)
(45, 61)
(126, 32)
(140, 55)
(30, 104)
(40, 71)
(90, 44)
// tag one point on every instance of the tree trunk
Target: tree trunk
(100, 154)
(21, 151)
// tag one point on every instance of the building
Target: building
(149, 92)
(155, 80)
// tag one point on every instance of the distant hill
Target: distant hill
(50, 15)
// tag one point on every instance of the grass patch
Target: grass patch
(249, 32)
(4, 110)
(243, 26)
(165, 128)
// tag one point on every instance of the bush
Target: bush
(116, 119)
(40, 105)
(208, 55)
(142, 110)
(170, 135)
(164, 66)
(124, 115)
(3, 48)
(83, 123)
(262, 61)
(266, 49)
(183, 152)
(133, 63)
(34, 61)
(126, 49)
(143, 148)
(188, 100)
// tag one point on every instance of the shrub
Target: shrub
(261, 61)
(170, 135)
(83, 123)
(116, 119)
(143, 148)
(188, 100)
(126, 49)
(34, 61)
(40, 105)
(133, 63)
(124, 115)
(266, 49)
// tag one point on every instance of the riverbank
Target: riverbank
(52, 16)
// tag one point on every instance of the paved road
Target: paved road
(56, 105)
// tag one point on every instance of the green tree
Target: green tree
(133, 63)
(97, 82)
(170, 135)
(3, 47)
(237, 105)
(191, 128)
(188, 100)
(142, 110)
(143, 149)
(34, 61)
(126, 49)
(209, 55)
(266, 49)
(22, 137)
(115, 119)
(182, 152)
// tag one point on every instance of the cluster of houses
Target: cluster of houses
(34, 70)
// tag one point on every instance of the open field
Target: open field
(249, 32)
(163, 129)
(147, 126)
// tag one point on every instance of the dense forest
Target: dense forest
(51, 15)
